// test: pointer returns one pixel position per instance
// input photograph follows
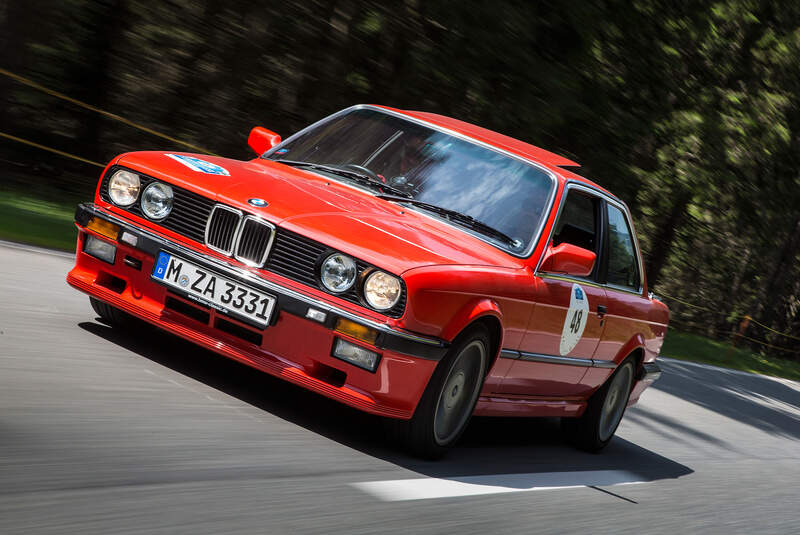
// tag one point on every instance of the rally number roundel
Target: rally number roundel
(575, 322)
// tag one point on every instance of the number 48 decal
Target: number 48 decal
(575, 319)
(575, 324)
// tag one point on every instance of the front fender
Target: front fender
(471, 311)
(443, 300)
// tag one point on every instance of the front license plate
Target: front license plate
(216, 291)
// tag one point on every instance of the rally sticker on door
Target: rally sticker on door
(201, 166)
(575, 322)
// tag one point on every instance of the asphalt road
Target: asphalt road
(106, 431)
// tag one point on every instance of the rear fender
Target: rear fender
(636, 342)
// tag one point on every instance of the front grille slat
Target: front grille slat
(286, 258)
(254, 241)
(222, 227)
(297, 253)
(288, 254)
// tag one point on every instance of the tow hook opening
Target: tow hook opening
(109, 281)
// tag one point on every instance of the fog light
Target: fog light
(103, 227)
(100, 249)
(355, 355)
(357, 331)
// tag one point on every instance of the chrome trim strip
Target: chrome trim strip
(556, 359)
(239, 240)
(235, 232)
(553, 359)
(247, 275)
(509, 354)
(610, 364)
(545, 212)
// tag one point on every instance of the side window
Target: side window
(577, 223)
(623, 266)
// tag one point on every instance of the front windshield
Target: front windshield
(498, 190)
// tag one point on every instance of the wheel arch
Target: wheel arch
(495, 328)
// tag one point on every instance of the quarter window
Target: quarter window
(623, 267)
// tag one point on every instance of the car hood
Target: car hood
(340, 215)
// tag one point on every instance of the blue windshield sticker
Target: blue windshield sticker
(201, 166)
(281, 151)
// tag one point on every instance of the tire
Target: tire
(596, 427)
(446, 406)
(110, 315)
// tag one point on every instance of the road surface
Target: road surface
(107, 431)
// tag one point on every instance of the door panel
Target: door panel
(558, 328)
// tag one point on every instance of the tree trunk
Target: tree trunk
(773, 298)
(662, 243)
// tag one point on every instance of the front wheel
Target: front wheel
(594, 429)
(447, 404)
(110, 315)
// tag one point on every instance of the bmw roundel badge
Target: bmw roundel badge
(257, 202)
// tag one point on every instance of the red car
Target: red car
(407, 264)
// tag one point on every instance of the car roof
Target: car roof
(544, 157)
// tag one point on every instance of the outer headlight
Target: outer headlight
(382, 291)
(157, 200)
(338, 273)
(123, 188)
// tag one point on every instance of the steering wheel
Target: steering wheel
(363, 170)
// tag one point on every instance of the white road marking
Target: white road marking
(432, 488)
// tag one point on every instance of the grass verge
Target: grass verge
(34, 221)
(696, 348)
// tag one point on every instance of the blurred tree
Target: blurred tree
(690, 111)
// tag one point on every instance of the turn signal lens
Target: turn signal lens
(357, 331)
(101, 226)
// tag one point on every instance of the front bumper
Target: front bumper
(292, 346)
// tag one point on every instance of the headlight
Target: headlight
(382, 291)
(338, 273)
(123, 188)
(157, 200)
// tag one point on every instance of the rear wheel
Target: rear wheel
(595, 428)
(447, 404)
(110, 315)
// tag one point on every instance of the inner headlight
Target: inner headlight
(157, 200)
(382, 291)
(338, 273)
(123, 188)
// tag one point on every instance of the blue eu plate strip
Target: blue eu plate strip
(160, 268)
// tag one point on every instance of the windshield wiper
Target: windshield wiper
(361, 178)
(457, 217)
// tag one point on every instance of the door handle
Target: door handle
(601, 311)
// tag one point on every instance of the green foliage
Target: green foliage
(687, 346)
(689, 111)
(34, 221)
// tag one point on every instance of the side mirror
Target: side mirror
(261, 139)
(569, 259)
